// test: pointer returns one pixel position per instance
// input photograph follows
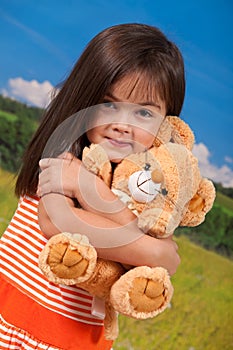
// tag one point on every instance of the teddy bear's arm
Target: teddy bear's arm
(200, 204)
(96, 160)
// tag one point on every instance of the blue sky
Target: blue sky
(41, 40)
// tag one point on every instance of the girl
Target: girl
(130, 70)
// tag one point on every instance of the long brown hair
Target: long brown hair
(112, 54)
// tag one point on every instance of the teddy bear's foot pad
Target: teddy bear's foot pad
(147, 295)
(68, 259)
(142, 292)
(66, 262)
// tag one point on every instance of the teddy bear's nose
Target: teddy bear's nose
(157, 176)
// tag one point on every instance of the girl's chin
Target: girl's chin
(116, 158)
(115, 155)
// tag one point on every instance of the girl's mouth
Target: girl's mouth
(119, 143)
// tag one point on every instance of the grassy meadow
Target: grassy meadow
(201, 312)
(225, 202)
(8, 201)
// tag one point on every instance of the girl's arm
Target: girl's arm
(111, 227)
(69, 177)
(125, 244)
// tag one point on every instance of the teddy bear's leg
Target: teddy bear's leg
(111, 322)
(142, 292)
(68, 259)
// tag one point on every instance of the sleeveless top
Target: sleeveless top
(20, 247)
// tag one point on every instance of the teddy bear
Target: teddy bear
(164, 188)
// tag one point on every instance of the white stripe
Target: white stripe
(65, 289)
(33, 200)
(41, 277)
(26, 221)
(11, 245)
(23, 211)
(34, 206)
(35, 234)
(61, 308)
(48, 294)
(26, 229)
(25, 251)
(18, 232)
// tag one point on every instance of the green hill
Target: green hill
(225, 202)
(201, 313)
(8, 116)
(8, 201)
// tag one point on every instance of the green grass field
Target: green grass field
(225, 202)
(201, 313)
(8, 201)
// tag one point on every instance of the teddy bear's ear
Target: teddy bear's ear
(200, 204)
(174, 129)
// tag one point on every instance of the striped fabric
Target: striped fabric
(12, 338)
(20, 246)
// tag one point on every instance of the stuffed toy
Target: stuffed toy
(164, 188)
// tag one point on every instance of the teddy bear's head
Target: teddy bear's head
(164, 185)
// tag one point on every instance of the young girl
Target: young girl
(133, 71)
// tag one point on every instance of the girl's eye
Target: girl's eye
(145, 113)
(109, 104)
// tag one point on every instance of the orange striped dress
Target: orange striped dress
(35, 313)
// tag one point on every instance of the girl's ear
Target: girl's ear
(174, 129)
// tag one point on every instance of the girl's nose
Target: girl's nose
(122, 128)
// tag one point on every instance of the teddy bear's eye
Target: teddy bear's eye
(164, 191)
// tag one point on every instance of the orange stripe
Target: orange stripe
(26, 223)
(25, 226)
(55, 300)
(38, 282)
(69, 301)
(15, 338)
(31, 196)
(65, 299)
(48, 327)
(23, 238)
(39, 275)
(21, 244)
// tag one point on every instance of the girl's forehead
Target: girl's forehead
(135, 88)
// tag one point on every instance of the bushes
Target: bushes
(17, 125)
(216, 233)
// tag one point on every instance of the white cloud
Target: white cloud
(32, 92)
(228, 160)
(222, 174)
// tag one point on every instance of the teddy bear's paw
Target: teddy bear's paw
(68, 259)
(142, 292)
(147, 295)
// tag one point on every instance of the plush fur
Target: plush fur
(181, 197)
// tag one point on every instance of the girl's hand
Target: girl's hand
(167, 254)
(68, 176)
(59, 175)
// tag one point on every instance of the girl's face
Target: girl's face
(125, 123)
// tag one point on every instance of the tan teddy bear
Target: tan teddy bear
(164, 188)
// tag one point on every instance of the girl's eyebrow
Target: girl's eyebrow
(147, 103)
